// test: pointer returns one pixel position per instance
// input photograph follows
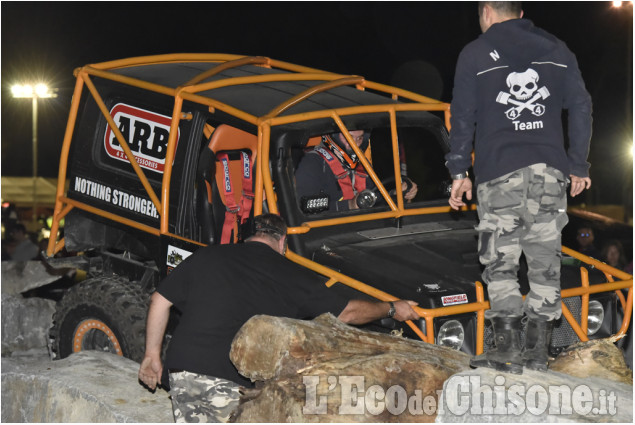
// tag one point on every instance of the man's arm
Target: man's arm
(463, 124)
(463, 118)
(579, 105)
(358, 312)
(158, 315)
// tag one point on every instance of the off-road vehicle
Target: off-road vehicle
(165, 154)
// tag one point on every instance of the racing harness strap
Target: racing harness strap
(235, 151)
(345, 175)
(236, 214)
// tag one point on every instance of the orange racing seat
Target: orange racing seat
(227, 183)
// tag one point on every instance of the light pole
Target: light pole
(33, 92)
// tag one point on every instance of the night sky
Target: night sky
(413, 45)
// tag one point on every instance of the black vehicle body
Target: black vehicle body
(135, 221)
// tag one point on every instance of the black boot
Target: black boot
(536, 352)
(506, 356)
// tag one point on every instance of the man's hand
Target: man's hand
(404, 310)
(410, 195)
(578, 184)
(150, 371)
(460, 187)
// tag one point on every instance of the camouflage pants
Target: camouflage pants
(202, 398)
(523, 211)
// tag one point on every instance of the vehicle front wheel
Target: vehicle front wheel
(104, 314)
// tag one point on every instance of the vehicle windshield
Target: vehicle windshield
(328, 175)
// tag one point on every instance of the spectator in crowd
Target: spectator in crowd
(585, 238)
(21, 248)
(613, 254)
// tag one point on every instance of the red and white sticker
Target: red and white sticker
(145, 132)
(454, 299)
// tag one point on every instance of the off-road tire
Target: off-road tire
(103, 313)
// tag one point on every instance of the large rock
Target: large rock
(90, 386)
(21, 276)
(597, 358)
(485, 396)
(25, 323)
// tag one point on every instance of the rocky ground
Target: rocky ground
(85, 387)
(102, 387)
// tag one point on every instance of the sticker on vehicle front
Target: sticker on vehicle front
(176, 255)
(145, 132)
(454, 299)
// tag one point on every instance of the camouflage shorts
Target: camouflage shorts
(523, 211)
(202, 398)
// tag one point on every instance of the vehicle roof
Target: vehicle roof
(259, 98)
(258, 89)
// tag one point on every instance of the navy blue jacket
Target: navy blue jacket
(511, 86)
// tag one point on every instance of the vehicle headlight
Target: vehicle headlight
(596, 317)
(452, 335)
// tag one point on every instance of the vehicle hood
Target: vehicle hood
(434, 264)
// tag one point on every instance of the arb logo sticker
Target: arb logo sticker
(454, 299)
(146, 133)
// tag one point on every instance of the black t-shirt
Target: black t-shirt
(220, 287)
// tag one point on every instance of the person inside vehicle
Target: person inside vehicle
(249, 278)
(332, 168)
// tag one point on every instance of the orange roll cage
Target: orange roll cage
(190, 91)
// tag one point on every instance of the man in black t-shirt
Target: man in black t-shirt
(217, 290)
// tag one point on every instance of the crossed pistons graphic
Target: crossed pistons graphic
(522, 87)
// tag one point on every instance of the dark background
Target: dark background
(413, 45)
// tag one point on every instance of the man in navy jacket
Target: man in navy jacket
(511, 86)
